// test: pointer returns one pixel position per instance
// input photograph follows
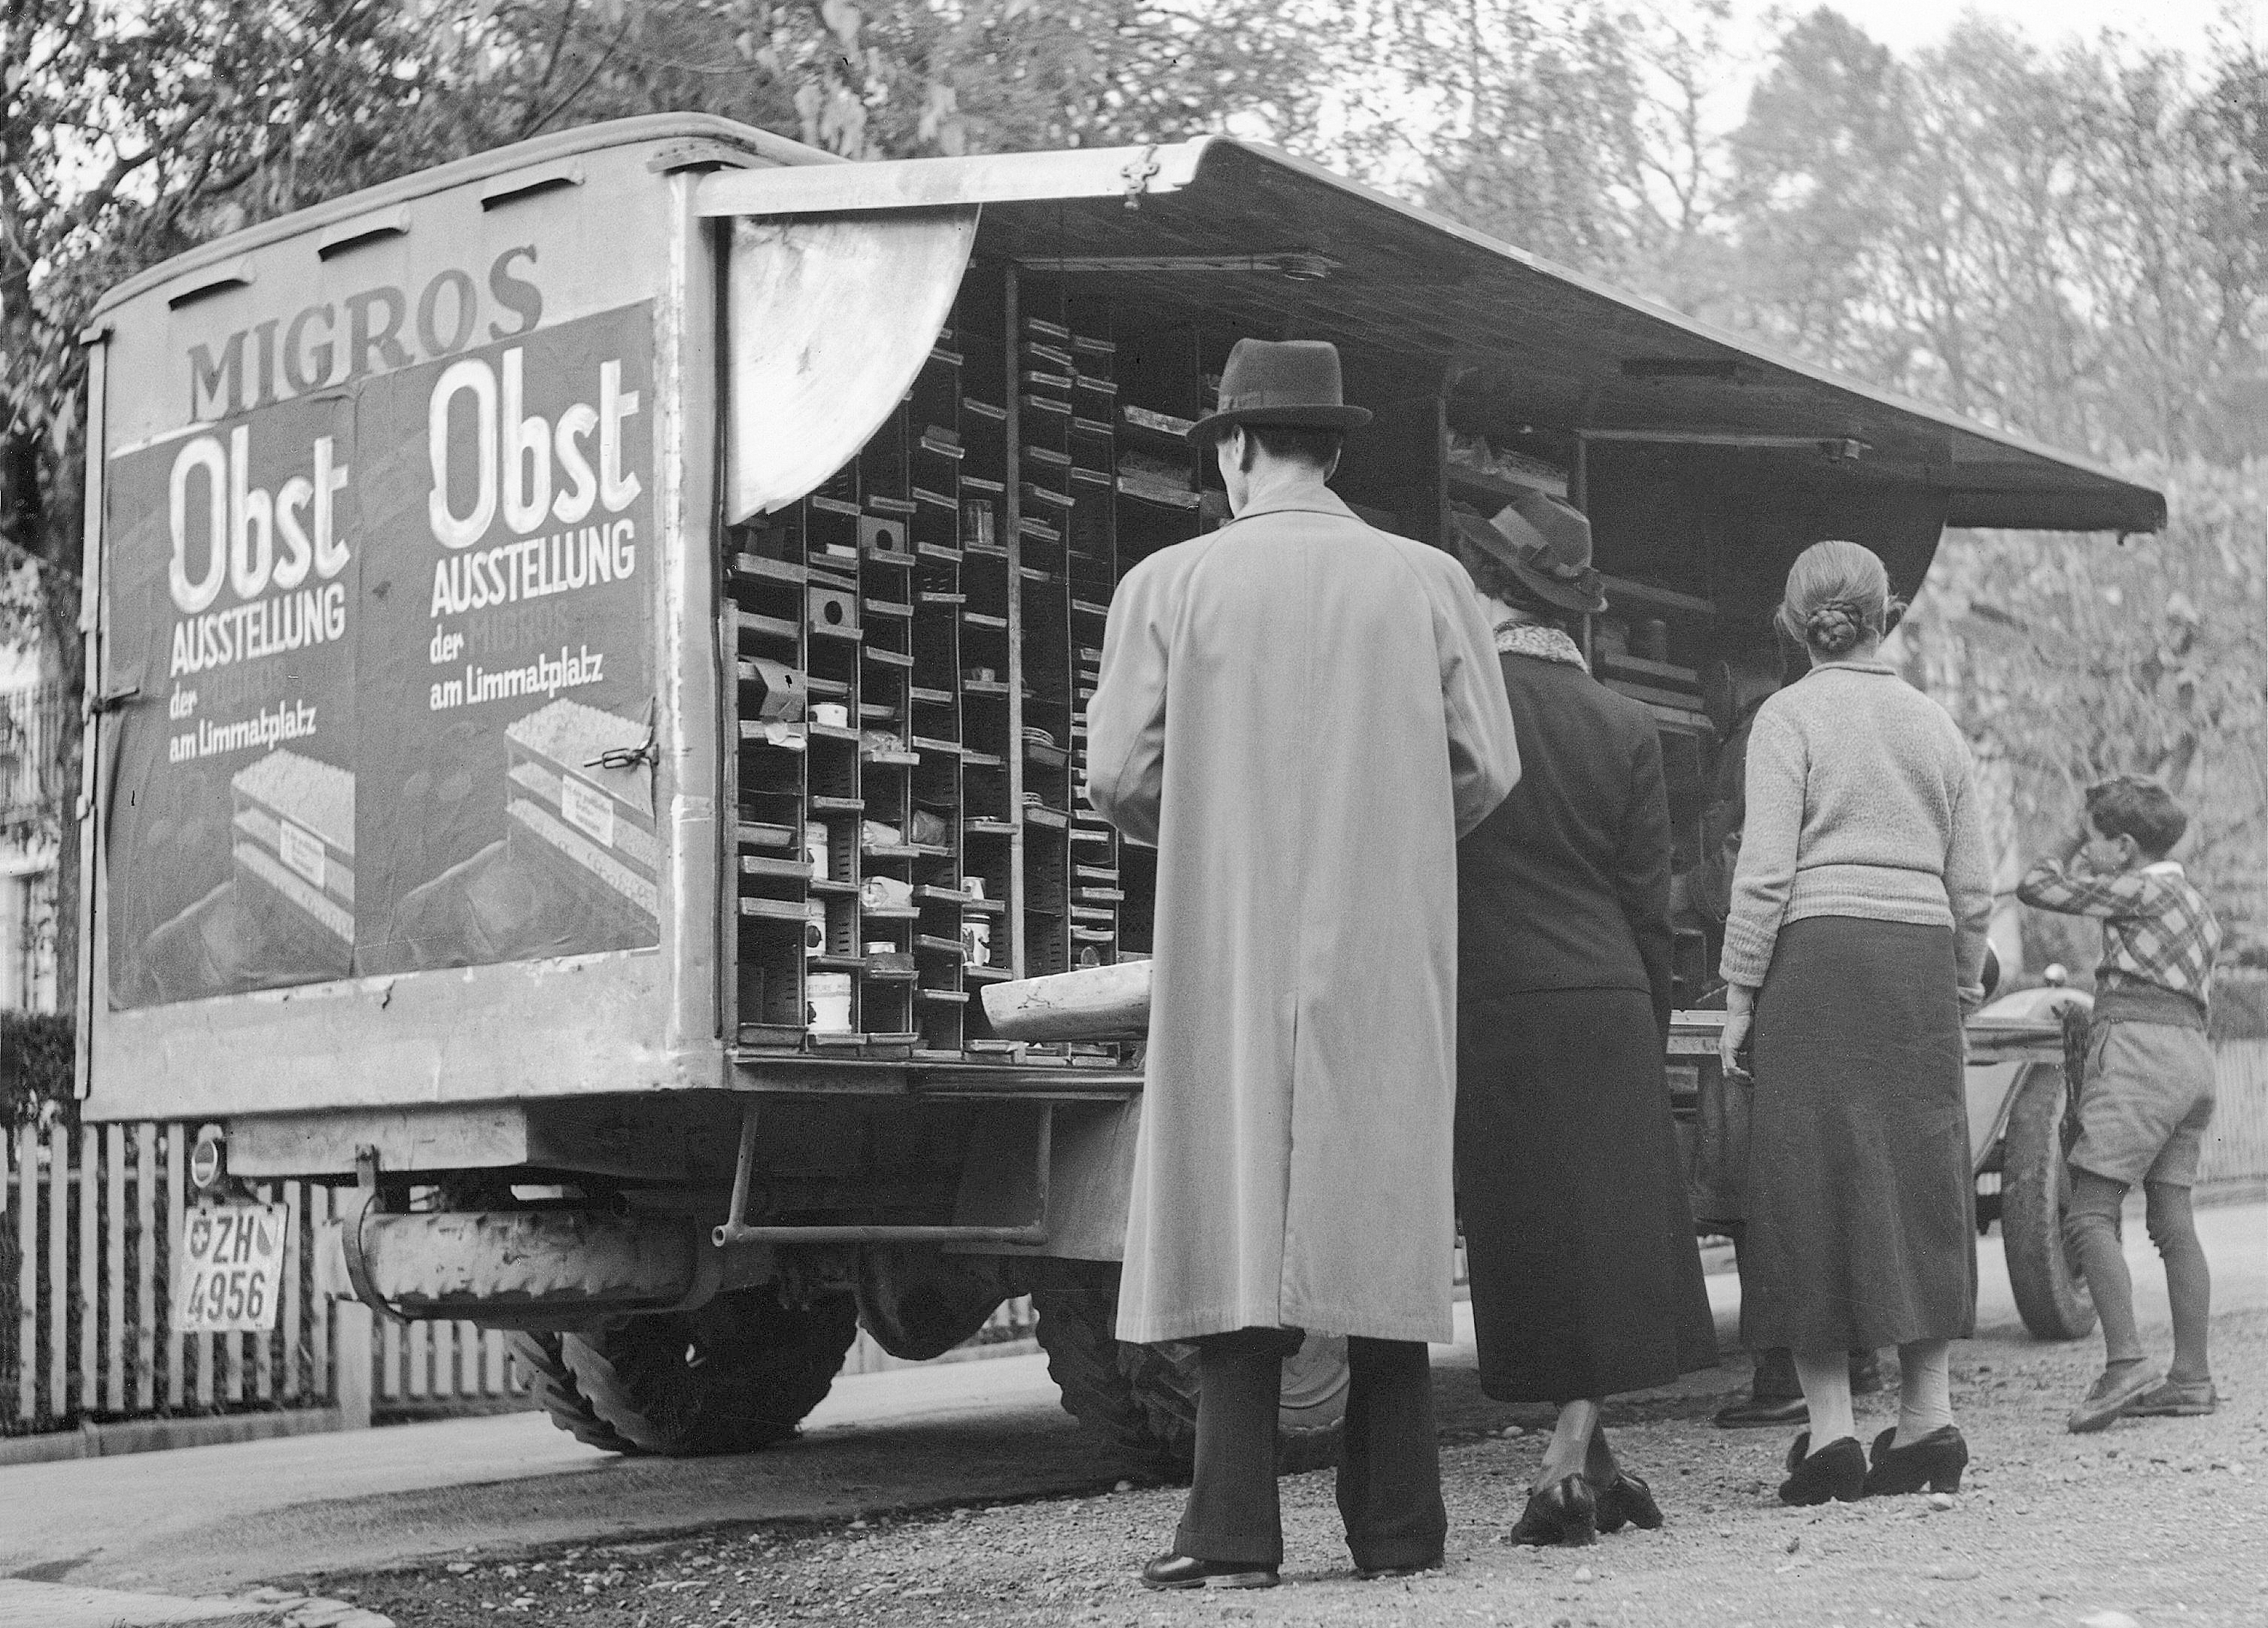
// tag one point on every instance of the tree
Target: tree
(2072, 659)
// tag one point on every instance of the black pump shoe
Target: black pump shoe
(1626, 1500)
(1175, 1571)
(1565, 1512)
(1934, 1462)
(1837, 1472)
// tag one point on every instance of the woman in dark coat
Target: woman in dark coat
(1586, 1278)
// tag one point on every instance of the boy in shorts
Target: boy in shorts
(2147, 1096)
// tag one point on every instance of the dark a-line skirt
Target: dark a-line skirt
(1585, 1278)
(1861, 1223)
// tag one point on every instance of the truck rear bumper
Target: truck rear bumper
(531, 1268)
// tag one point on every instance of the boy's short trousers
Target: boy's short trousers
(2145, 1104)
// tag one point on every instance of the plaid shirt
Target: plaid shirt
(2157, 928)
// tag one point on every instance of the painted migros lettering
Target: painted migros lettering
(366, 331)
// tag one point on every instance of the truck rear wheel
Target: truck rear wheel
(552, 1383)
(2035, 1188)
(738, 1375)
(1142, 1399)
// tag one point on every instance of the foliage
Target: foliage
(36, 1060)
(2071, 660)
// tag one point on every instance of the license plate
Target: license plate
(228, 1271)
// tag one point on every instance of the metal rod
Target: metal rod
(858, 1232)
(742, 1168)
(1034, 1232)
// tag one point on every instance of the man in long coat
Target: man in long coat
(1303, 714)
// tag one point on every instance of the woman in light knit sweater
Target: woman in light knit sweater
(1855, 943)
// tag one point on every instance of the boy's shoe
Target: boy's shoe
(2107, 1398)
(2173, 1399)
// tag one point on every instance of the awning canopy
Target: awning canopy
(1223, 231)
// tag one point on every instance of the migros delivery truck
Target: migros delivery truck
(588, 648)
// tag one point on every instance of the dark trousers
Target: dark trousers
(1389, 1475)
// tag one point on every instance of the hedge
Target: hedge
(36, 1051)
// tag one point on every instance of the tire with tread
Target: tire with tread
(552, 1383)
(2035, 1187)
(1142, 1399)
(735, 1375)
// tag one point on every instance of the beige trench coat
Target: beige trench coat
(1303, 715)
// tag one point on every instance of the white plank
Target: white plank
(89, 1307)
(263, 1345)
(322, 1381)
(289, 1351)
(114, 1258)
(148, 1263)
(391, 1337)
(28, 1272)
(176, 1347)
(58, 1271)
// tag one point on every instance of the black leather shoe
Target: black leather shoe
(1565, 1512)
(1172, 1571)
(1935, 1462)
(1756, 1412)
(1370, 1574)
(1628, 1501)
(1838, 1471)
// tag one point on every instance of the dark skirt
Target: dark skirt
(1861, 1224)
(1585, 1278)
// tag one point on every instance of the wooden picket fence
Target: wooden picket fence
(2236, 1146)
(89, 1215)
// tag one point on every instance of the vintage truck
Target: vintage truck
(587, 645)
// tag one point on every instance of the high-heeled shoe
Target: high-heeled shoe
(1627, 1500)
(1934, 1462)
(1565, 1512)
(1838, 1471)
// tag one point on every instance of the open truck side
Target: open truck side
(588, 647)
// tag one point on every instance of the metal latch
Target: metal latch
(1137, 170)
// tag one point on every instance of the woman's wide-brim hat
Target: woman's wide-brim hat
(1546, 544)
(1291, 381)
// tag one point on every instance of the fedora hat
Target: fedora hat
(1547, 545)
(1291, 381)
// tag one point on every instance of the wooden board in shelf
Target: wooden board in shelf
(764, 568)
(785, 910)
(753, 625)
(953, 997)
(1675, 699)
(784, 870)
(759, 834)
(1647, 671)
(1622, 593)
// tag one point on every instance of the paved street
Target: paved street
(220, 1519)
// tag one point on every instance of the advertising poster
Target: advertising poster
(390, 652)
(231, 579)
(506, 680)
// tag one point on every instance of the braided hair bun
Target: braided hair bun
(1838, 598)
(1834, 628)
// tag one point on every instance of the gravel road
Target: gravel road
(2153, 1522)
